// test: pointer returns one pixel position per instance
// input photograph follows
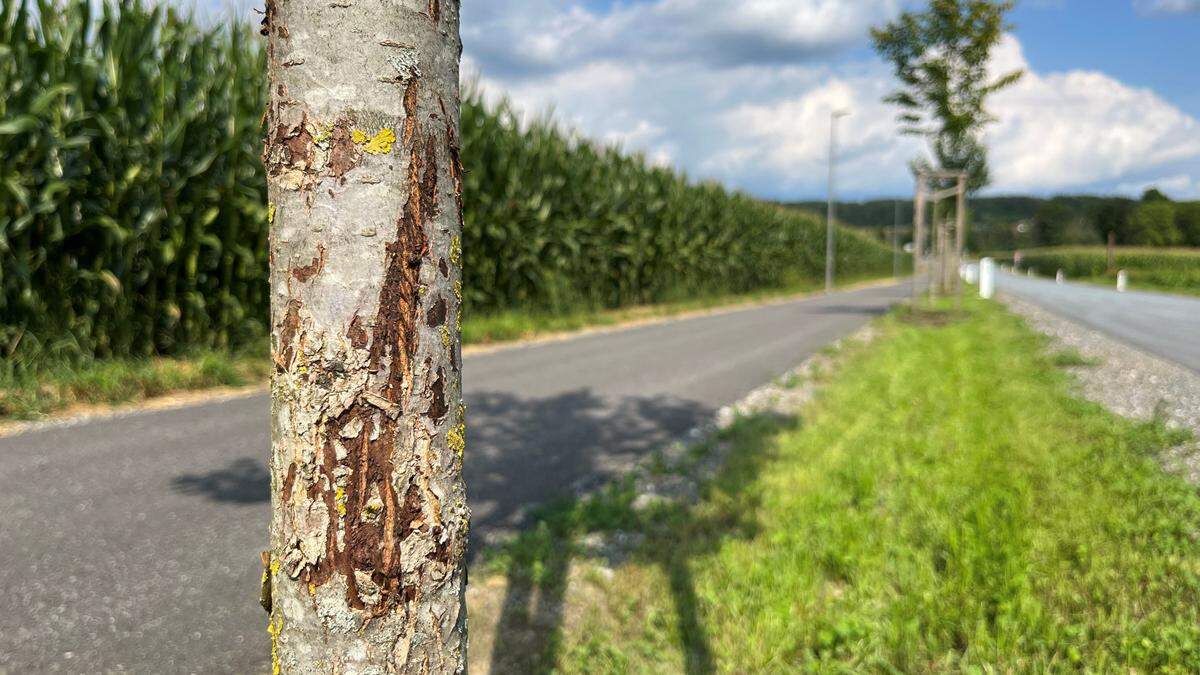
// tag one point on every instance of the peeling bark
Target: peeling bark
(369, 517)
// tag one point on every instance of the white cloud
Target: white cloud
(1076, 128)
(784, 143)
(1167, 6)
(673, 77)
(532, 37)
(741, 92)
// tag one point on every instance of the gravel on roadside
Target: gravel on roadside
(1127, 381)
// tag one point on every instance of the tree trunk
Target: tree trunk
(369, 514)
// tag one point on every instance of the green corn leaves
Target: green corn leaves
(553, 223)
(127, 136)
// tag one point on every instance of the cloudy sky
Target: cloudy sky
(740, 90)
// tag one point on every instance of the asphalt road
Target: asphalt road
(132, 543)
(1161, 324)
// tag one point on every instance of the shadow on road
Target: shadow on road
(521, 451)
(856, 310)
(527, 451)
(242, 481)
(529, 630)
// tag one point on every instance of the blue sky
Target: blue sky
(1159, 50)
(740, 90)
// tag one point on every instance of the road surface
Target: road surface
(1161, 324)
(132, 543)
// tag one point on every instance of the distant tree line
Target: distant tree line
(1012, 222)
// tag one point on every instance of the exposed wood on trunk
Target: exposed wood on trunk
(369, 515)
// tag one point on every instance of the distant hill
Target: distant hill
(1009, 222)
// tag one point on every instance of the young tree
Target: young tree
(941, 58)
(369, 516)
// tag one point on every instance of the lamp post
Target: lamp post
(830, 213)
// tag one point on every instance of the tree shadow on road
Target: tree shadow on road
(524, 452)
(543, 453)
(242, 481)
(853, 310)
(529, 631)
(530, 451)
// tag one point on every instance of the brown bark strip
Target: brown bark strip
(298, 143)
(454, 150)
(357, 334)
(307, 272)
(289, 148)
(344, 155)
(289, 483)
(437, 406)
(437, 314)
(396, 322)
(410, 113)
(287, 330)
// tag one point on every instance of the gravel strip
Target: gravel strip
(1126, 380)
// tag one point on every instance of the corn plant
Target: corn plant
(554, 222)
(132, 218)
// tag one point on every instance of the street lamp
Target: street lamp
(833, 118)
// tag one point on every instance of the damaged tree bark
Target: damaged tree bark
(369, 515)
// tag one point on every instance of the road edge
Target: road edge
(83, 413)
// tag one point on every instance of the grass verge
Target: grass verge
(946, 505)
(54, 387)
(51, 388)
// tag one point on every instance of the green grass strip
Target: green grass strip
(32, 395)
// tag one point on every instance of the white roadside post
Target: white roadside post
(1059, 277)
(1122, 281)
(987, 278)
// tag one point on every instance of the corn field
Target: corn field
(132, 200)
(132, 218)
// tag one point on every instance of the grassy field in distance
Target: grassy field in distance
(1171, 270)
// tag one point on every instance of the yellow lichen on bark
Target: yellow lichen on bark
(339, 498)
(274, 629)
(379, 144)
(456, 438)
